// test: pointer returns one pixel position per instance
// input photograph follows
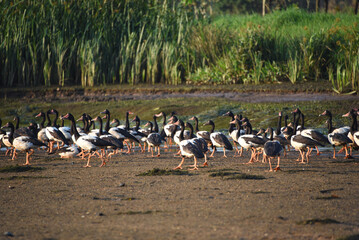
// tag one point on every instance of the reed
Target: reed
(99, 42)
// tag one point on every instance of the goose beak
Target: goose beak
(346, 115)
(323, 114)
(233, 122)
(158, 115)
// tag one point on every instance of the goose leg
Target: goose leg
(205, 160)
(347, 155)
(277, 168)
(224, 153)
(270, 165)
(318, 152)
(241, 152)
(214, 149)
(88, 161)
(302, 153)
(14, 154)
(334, 153)
(180, 165)
(159, 151)
(28, 155)
(151, 150)
(195, 164)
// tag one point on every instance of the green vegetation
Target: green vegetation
(291, 45)
(96, 42)
(18, 168)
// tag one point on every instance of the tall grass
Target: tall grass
(91, 42)
(291, 45)
(99, 42)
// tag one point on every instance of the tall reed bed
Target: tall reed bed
(92, 42)
(98, 42)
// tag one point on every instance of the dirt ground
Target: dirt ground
(318, 200)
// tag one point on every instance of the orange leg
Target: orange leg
(180, 165)
(214, 149)
(277, 168)
(195, 164)
(159, 151)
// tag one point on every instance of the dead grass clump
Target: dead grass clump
(163, 172)
(232, 175)
(18, 168)
(319, 221)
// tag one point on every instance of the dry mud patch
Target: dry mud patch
(63, 200)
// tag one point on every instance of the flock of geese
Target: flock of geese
(111, 138)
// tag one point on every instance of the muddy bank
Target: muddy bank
(63, 200)
(151, 94)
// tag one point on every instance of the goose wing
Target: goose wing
(189, 149)
(307, 141)
(272, 148)
(155, 139)
(221, 140)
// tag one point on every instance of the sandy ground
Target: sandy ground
(67, 201)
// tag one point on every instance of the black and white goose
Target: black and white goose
(68, 151)
(188, 148)
(233, 131)
(2, 134)
(86, 142)
(23, 143)
(218, 139)
(200, 142)
(6, 142)
(118, 132)
(116, 123)
(311, 133)
(54, 134)
(115, 143)
(141, 137)
(337, 137)
(249, 141)
(153, 139)
(169, 128)
(66, 131)
(302, 143)
(272, 149)
(201, 134)
(23, 131)
(41, 135)
(353, 130)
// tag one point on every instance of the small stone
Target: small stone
(101, 214)
(122, 185)
(11, 187)
(8, 234)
